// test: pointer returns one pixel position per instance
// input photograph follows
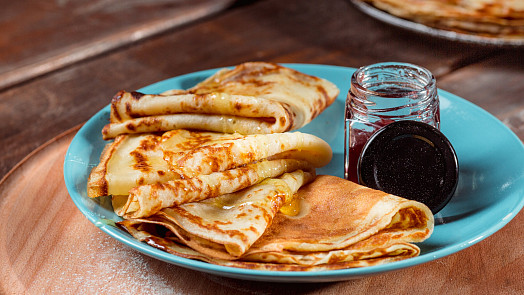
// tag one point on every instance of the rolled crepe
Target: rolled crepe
(252, 98)
(340, 224)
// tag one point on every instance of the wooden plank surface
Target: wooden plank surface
(495, 84)
(328, 32)
(41, 36)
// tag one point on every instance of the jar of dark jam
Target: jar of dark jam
(381, 94)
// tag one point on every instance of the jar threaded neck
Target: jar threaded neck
(392, 90)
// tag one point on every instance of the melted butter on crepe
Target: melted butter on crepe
(291, 207)
(340, 224)
(252, 98)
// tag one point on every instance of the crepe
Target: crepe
(141, 159)
(353, 217)
(191, 153)
(127, 162)
(340, 224)
(226, 226)
(146, 200)
(490, 18)
(149, 234)
(252, 98)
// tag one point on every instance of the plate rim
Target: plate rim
(278, 276)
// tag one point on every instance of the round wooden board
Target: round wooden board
(48, 246)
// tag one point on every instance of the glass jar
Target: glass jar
(381, 94)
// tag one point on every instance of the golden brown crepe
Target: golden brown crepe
(340, 224)
(252, 98)
(149, 234)
(191, 153)
(134, 160)
(491, 18)
(146, 200)
(236, 197)
(226, 226)
(127, 162)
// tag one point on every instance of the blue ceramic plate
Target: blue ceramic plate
(489, 194)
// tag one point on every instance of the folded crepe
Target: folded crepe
(141, 159)
(339, 224)
(146, 200)
(252, 98)
(226, 226)
(191, 153)
(490, 18)
(150, 234)
(129, 161)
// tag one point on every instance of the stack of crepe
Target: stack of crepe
(246, 195)
(334, 224)
(491, 18)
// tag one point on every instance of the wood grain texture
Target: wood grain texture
(42, 36)
(48, 246)
(496, 84)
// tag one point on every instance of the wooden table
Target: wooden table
(65, 60)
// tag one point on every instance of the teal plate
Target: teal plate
(490, 191)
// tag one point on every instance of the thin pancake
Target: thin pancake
(226, 226)
(350, 213)
(192, 153)
(147, 200)
(149, 234)
(129, 161)
(139, 159)
(341, 225)
(252, 98)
